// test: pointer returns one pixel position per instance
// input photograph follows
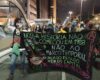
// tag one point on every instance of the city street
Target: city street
(4, 72)
(49, 39)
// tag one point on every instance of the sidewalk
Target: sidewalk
(5, 43)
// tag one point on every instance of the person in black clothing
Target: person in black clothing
(16, 31)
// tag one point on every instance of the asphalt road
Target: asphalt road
(4, 72)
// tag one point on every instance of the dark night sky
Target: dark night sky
(63, 6)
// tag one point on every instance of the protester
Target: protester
(50, 28)
(62, 30)
(38, 29)
(15, 53)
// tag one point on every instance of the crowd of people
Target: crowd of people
(73, 25)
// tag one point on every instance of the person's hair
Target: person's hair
(16, 21)
(91, 25)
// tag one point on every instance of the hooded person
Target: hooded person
(50, 28)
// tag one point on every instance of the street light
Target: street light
(81, 10)
(96, 18)
(65, 21)
(68, 18)
(70, 13)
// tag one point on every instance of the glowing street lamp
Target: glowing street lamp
(70, 13)
(96, 18)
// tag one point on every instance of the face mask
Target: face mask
(19, 25)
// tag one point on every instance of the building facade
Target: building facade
(46, 9)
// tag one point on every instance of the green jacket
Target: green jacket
(15, 49)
